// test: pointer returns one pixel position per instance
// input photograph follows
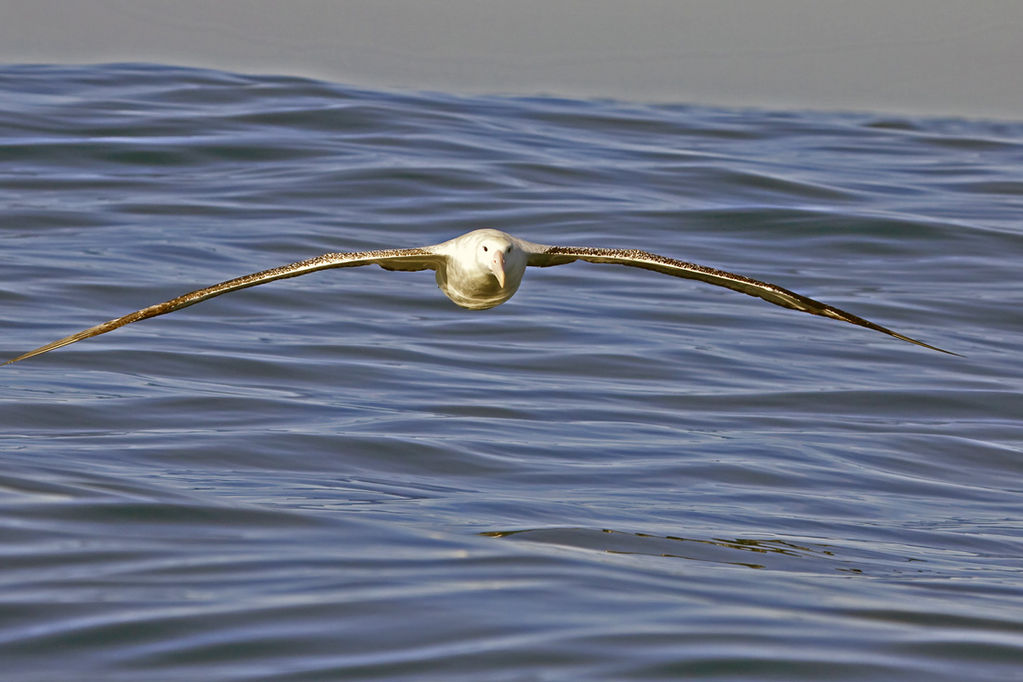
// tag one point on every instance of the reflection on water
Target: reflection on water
(620, 542)
(315, 479)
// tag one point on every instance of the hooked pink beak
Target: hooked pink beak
(497, 267)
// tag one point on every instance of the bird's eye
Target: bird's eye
(485, 249)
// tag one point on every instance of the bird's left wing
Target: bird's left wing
(392, 259)
(543, 256)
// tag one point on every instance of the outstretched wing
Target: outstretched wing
(391, 259)
(543, 256)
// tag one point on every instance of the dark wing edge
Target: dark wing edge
(772, 293)
(391, 259)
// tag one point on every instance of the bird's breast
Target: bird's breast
(475, 291)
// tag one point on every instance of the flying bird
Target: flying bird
(482, 269)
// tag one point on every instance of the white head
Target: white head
(484, 269)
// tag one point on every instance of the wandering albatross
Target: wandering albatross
(482, 269)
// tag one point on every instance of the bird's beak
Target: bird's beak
(497, 267)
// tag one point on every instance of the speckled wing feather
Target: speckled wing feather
(543, 256)
(390, 259)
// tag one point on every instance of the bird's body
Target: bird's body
(482, 269)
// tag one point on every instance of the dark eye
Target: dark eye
(485, 248)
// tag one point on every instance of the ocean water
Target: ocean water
(616, 475)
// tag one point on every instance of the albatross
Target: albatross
(482, 269)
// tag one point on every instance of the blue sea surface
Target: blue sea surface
(615, 475)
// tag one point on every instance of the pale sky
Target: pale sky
(941, 57)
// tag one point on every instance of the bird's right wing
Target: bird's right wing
(391, 259)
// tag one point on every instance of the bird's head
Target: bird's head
(494, 255)
(501, 256)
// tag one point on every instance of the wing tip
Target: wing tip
(23, 356)
(926, 345)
